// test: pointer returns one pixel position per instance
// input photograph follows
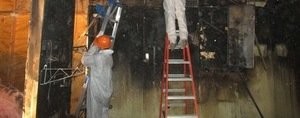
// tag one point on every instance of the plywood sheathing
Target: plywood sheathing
(14, 24)
(6, 5)
(15, 6)
(6, 27)
(13, 48)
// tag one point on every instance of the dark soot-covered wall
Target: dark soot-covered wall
(282, 17)
(56, 52)
(142, 30)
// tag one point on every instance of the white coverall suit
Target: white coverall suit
(100, 87)
(175, 9)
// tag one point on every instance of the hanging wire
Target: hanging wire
(79, 70)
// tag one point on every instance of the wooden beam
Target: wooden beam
(33, 59)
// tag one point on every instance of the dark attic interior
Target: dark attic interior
(241, 60)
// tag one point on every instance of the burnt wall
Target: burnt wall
(136, 81)
(281, 17)
(56, 52)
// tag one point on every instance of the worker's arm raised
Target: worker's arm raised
(88, 58)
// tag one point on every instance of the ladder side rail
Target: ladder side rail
(186, 84)
(193, 82)
(185, 59)
(116, 24)
(105, 21)
(167, 75)
(113, 12)
(163, 83)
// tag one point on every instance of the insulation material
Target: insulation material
(11, 102)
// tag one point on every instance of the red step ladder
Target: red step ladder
(178, 95)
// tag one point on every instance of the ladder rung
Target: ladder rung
(180, 79)
(183, 116)
(178, 61)
(113, 21)
(181, 97)
(175, 90)
(177, 47)
(175, 105)
(177, 75)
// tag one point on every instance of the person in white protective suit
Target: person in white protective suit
(175, 9)
(99, 89)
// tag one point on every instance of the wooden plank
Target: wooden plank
(33, 60)
(81, 6)
(6, 23)
(19, 51)
(6, 5)
(79, 28)
(6, 27)
(23, 6)
(4, 65)
(13, 46)
(21, 35)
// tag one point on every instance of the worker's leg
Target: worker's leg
(105, 107)
(89, 103)
(93, 105)
(170, 19)
(180, 15)
(105, 111)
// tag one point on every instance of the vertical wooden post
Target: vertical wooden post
(33, 59)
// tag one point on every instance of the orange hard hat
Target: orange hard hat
(103, 42)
